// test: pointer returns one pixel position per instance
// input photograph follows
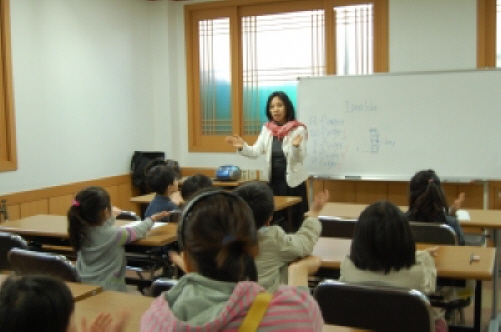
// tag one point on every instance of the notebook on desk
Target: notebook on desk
(462, 215)
(155, 224)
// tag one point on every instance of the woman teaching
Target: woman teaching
(283, 141)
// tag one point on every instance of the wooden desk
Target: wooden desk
(78, 290)
(222, 184)
(56, 227)
(478, 218)
(451, 261)
(281, 202)
(109, 301)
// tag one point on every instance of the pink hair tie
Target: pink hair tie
(75, 203)
(430, 180)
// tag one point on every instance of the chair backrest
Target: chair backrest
(7, 242)
(128, 215)
(24, 262)
(433, 233)
(375, 308)
(337, 227)
(161, 285)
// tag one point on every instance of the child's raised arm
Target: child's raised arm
(319, 201)
(301, 269)
(458, 202)
(130, 234)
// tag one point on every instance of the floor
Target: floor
(486, 305)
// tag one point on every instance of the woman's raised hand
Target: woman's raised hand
(235, 141)
(297, 140)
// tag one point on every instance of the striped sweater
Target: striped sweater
(200, 304)
(101, 260)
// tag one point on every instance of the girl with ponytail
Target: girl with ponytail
(427, 202)
(218, 237)
(98, 242)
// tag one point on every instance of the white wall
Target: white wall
(432, 35)
(95, 80)
(83, 89)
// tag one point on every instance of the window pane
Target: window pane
(215, 77)
(277, 49)
(354, 39)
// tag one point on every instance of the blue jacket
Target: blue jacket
(159, 204)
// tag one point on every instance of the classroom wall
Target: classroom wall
(432, 35)
(83, 88)
(95, 80)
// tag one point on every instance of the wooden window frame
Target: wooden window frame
(486, 33)
(8, 155)
(197, 142)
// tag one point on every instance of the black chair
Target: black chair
(24, 262)
(332, 227)
(161, 285)
(476, 238)
(9, 241)
(127, 215)
(337, 227)
(433, 233)
(375, 308)
(437, 233)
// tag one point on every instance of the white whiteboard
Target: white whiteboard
(392, 125)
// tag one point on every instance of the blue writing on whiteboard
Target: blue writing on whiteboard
(374, 137)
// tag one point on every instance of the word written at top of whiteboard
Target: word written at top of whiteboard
(366, 106)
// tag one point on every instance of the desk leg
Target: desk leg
(477, 312)
(495, 317)
(477, 321)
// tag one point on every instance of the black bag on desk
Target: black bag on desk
(141, 161)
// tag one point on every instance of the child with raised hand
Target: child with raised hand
(98, 242)
(45, 304)
(218, 235)
(383, 251)
(163, 181)
(278, 249)
(428, 203)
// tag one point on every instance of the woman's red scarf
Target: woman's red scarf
(282, 131)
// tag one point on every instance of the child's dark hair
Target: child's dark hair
(383, 240)
(219, 236)
(86, 210)
(35, 303)
(259, 197)
(427, 201)
(193, 184)
(159, 178)
(289, 107)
